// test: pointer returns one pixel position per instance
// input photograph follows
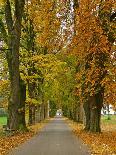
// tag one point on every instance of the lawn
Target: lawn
(108, 124)
(111, 120)
(3, 121)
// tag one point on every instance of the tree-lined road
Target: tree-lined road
(56, 138)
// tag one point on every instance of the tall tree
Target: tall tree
(93, 49)
(13, 22)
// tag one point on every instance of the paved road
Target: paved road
(54, 139)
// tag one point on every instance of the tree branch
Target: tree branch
(3, 32)
(8, 16)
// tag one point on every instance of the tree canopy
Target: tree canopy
(59, 54)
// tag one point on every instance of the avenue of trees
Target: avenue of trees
(57, 55)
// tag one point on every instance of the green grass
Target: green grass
(112, 119)
(3, 121)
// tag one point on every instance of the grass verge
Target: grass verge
(99, 144)
(3, 120)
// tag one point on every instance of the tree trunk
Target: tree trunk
(74, 112)
(21, 117)
(96, 106)
(30, 115)
(33, 114)
(31, 89)
(86, 107)
(37, 114)
(47, 109)
(14, 33)
(93, 112)
(42, 112)
(78, 112)
(95, 120)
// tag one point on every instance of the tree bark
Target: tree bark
(37, 114)
(14, 33)
(31, 89)
(86, 107)
(31, 114)
(93, 112)
(96, 112)
(78, 112)
(21, 109)
(42, 112)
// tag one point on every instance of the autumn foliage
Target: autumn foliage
(65, 53)
(92, 46)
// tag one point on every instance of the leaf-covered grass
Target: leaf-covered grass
(100, 144)
(9, 142)
(108, 125)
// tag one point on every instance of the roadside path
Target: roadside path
(56, 138)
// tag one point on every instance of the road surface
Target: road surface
(56, 138)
